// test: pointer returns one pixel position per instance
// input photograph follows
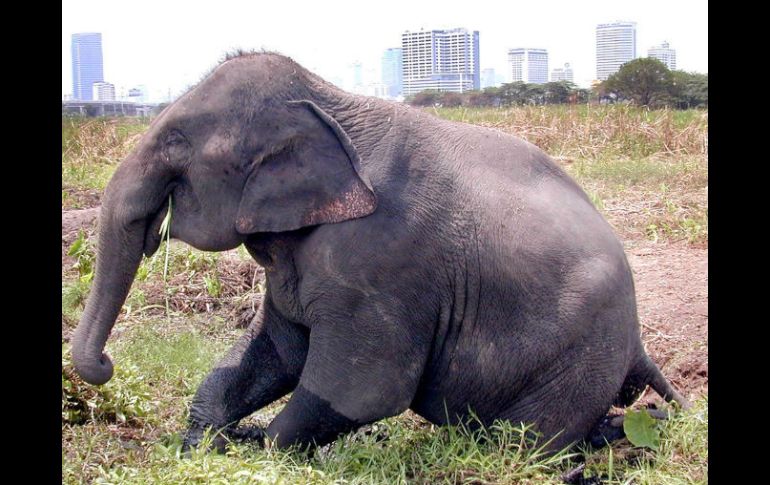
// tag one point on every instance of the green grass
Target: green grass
(158, 370)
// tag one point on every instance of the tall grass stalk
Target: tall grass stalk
(165, 233)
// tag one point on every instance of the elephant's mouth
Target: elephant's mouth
(152, 236)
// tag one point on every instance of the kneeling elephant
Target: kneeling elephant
(411, 262)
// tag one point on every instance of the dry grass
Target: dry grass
(92, 148)
(591, 132)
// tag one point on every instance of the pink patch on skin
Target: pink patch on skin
(354, 203)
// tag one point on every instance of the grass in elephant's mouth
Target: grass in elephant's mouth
(646, 171)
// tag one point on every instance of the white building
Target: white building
(664, 54)
(103, 91)
(562, 74)
(444, 60)
(615, 45)
(488, 78)
(528, 65)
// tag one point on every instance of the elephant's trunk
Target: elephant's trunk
(125, 217)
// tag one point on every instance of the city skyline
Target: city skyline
(326, 40)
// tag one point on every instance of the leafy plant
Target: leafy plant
(83, 251)
(213, 285)
(641, 429)
(125, 399)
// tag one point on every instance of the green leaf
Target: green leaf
(641, 429)
(75, 247)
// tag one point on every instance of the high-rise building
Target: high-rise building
(87, 67)
(103, 91)
(664, 54)
(562, 74)
(392, 71)
(615, 45)
(444, 60)
(488, 78)
(529, 65)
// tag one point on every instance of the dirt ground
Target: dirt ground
(671, 289)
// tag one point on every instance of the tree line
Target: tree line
(644, 82)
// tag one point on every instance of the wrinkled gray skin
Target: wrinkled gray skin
(411, 262)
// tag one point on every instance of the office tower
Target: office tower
(615, 45)
(529, 65)
(87, 65)
(444, 60)
(392, 71)
(563, 74)
(488, 78)
(664, 54)
(103, 91)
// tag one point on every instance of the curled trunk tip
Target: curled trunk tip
(94, 371)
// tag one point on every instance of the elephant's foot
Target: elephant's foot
(250, 434)
(220, 438)
(609, 429)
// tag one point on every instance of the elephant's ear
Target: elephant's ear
(315, 179)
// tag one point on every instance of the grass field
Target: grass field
(646, 171)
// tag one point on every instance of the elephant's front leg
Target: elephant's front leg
(264, 365)
(358, 370)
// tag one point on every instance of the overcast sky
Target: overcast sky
(169, 44)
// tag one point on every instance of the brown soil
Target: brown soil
(672, 297)
(671, 288)
(80, 198)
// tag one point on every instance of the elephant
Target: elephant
(411, 263)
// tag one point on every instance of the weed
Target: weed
(124, 399)
(82, 250)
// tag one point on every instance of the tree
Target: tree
(534, 94)
(513, 93)
(691, 89)
(645, 81)
(424, 98)
(558, 92)
(488, 97)
(451, 100)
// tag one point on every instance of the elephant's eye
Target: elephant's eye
(176, 147)
(175, 137)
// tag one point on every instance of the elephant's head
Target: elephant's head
(246, 151)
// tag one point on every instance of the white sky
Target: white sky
(170, 44)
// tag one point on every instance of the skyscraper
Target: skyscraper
(445, 60)
(87, 65)
(562, 74)
(615, 45)
(664, 54)
(103, 91)
(529, 65)
(392, 71)
(488, 78)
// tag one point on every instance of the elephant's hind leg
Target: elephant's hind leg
(264, 365)
(643, 373)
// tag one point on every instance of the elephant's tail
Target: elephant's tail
(643, 373)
